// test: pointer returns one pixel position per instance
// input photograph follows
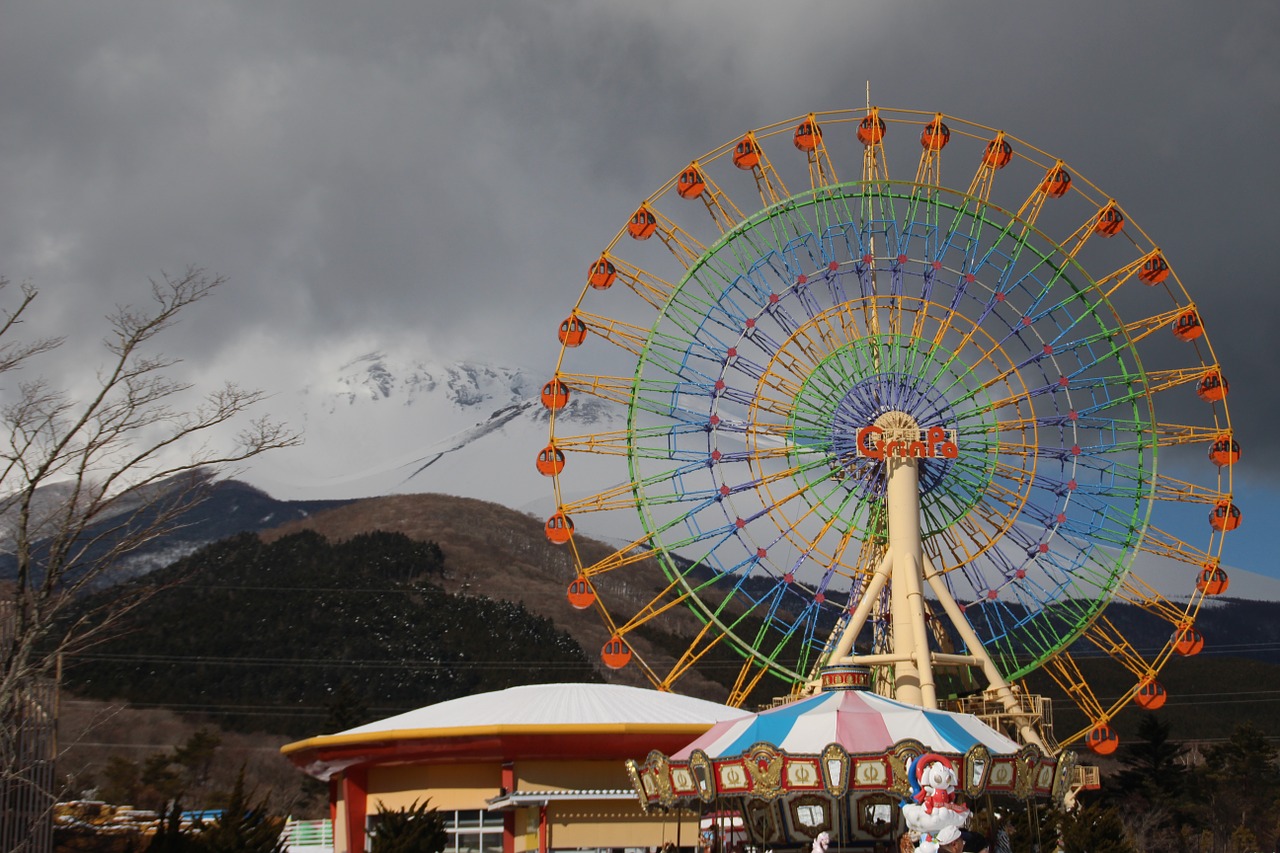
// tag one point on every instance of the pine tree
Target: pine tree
(196, 756)
(1093, 829)
(170, 836)
(243, 828)
(1152, 789)
(347, 708)
(1243, 782)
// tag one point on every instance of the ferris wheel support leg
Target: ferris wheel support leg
(844, 648)
(994, 678)
(920, 636)
(914, 679)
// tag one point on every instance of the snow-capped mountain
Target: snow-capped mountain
(393, 425)
(399, 425)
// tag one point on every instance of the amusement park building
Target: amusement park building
(533, 768)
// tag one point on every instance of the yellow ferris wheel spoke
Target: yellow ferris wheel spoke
(704, 641)
(626, 336)
(1064, 670)
(616, 389)
(633, 554)
(651, 288)
(694, 182)
(752, 671)
(1161, 543)
(1107, 222)
(682, 245)
(1111, 642)
(1135, 590)
(993, 160)
(1180, 491)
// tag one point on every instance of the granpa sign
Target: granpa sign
(878, 443)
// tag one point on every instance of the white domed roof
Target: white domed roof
(558, 705)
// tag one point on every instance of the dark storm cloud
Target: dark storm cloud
(442, 172)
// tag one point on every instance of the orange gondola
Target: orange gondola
(1155, 269)
(559, 528)
(581, 595)
(642, 224)
(602, 274)
(871, 129)
(1056, 182)
(935, 135)
(615, 653)
(1187, 327)
(1189, 642)
(555, 395)
(1151, 695)
(746, 154)
(1213, 580)
(1225, 516)
(1225, 450)
(1110, 221)
(550, 461)
(1102, 739)
(808, 135)
(691, 183)
(572, 332)
(1213, 387)
(998, 154)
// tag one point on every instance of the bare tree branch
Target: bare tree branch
(86, 481)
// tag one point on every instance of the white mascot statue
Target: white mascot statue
(933, 806)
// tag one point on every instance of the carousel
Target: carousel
(859, 767)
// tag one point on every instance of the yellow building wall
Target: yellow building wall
(571, 775)
(449, 786)
(610, 824)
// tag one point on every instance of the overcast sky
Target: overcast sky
(436, 175)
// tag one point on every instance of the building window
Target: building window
(473, 831)
(469, 831)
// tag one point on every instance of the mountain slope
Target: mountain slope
(490, 554)
(296, 619)
(227, 507)
(387, 423)
(499, 553)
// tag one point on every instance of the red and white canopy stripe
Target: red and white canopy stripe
(860, 721)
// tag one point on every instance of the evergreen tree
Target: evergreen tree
(346, 708)
(161, 782)
(1242, 789)
(196, 756)
(120, 781)
(1153, 763)
(417, 829)
(1152, 789)
(1093, 829)
(244, 827)
(170, 836)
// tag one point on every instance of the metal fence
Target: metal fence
(28, 746)
(308, 836)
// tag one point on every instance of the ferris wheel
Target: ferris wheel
(844, 401)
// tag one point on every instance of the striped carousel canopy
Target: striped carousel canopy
(859, 721)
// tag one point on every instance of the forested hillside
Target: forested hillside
(269, 635)
(461, 596)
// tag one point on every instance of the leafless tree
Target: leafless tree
(87, 478)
